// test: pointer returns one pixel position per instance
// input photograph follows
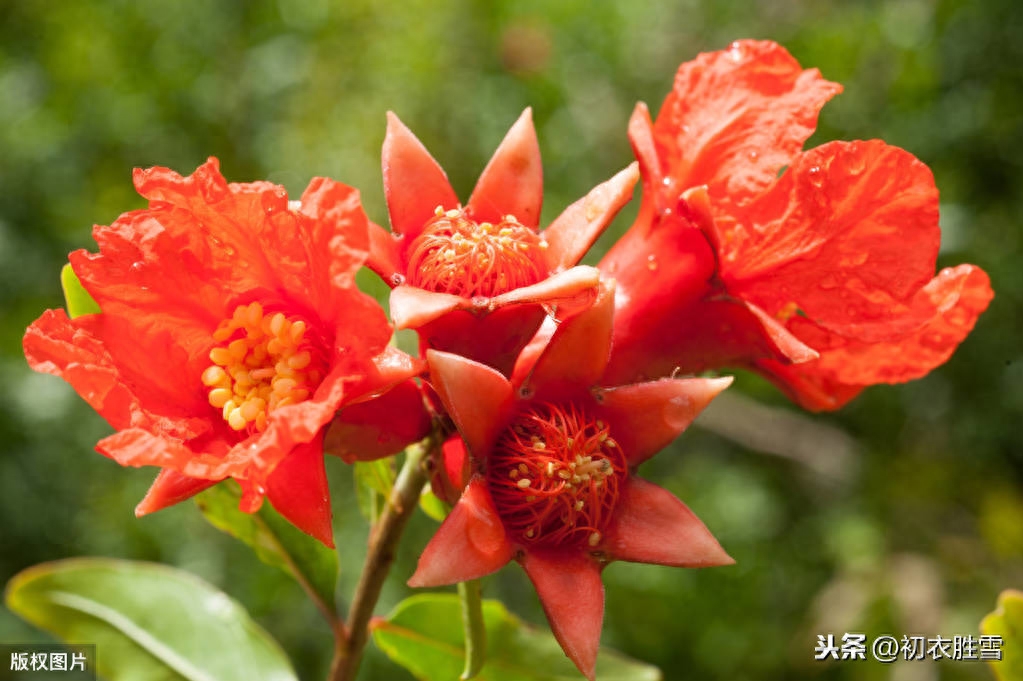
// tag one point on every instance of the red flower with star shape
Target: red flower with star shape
(815, 268)
(553, 485)
(230, 334)
(478, 280)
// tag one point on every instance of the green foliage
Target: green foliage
(275, 540)
(432, 505)
(149, 622)
(373, 483)
(1007, 621)
(424, 634)
(78, 300)
(922, 524)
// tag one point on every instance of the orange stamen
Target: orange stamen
(459, 256)
(555, 475)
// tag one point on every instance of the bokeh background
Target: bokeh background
(902, 514)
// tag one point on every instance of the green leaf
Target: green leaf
(424, 634)
(373, 483)
(78, 300)
(432, 505)
(149, 622)
(275, 541)
(1007, 621)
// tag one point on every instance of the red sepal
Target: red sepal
(650, 525)
(470, 543)
(572, 594)
(512, 183)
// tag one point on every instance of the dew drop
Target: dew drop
(753, 156)
(397, 279)
(816, 176)
(137, 267)
(651, 262)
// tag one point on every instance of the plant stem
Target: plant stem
(382, 547)
(470, 594)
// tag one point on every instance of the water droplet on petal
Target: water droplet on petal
(651, 262)
(816, 176)
(753, 156)
(397, 279)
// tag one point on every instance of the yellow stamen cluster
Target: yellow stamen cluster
(262, 361)
(460, 256)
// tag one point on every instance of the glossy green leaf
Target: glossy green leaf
(424, 634)
(78, 300)
(432, 505)
(149, 622)
(1007, 621)
(373, 483)
(275, 541)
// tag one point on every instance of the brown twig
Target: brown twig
(382, 548)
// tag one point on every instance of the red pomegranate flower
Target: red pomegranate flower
(475, 280)
(815, 268)
(552, 485)
(231, 332)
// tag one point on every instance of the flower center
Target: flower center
(460, 256)
(554, 477)
(262, 362)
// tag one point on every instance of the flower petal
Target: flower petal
(954, 299)
(512, 183)
(477, 397)
(111, 367)
(414, 183)
(848, 235)
(170, 487)
(575, 358)
(572, 595)
(737, 116)
(380, 426)
(650, 525)
(298, 489)
(643, 418)
(574, 231)
(470, 543)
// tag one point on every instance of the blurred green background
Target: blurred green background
(902, 514)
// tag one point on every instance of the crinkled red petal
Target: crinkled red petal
(847, 235)
(298, 490)
(735, 117)
(574, 231)
(96, 355)
(470, 543)
(572, 595)
(954, 300)
(414, 183)
(644, 418)
(477, 397)
(512, 183)
(379, 427)
(650, 525)
(170, 487)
